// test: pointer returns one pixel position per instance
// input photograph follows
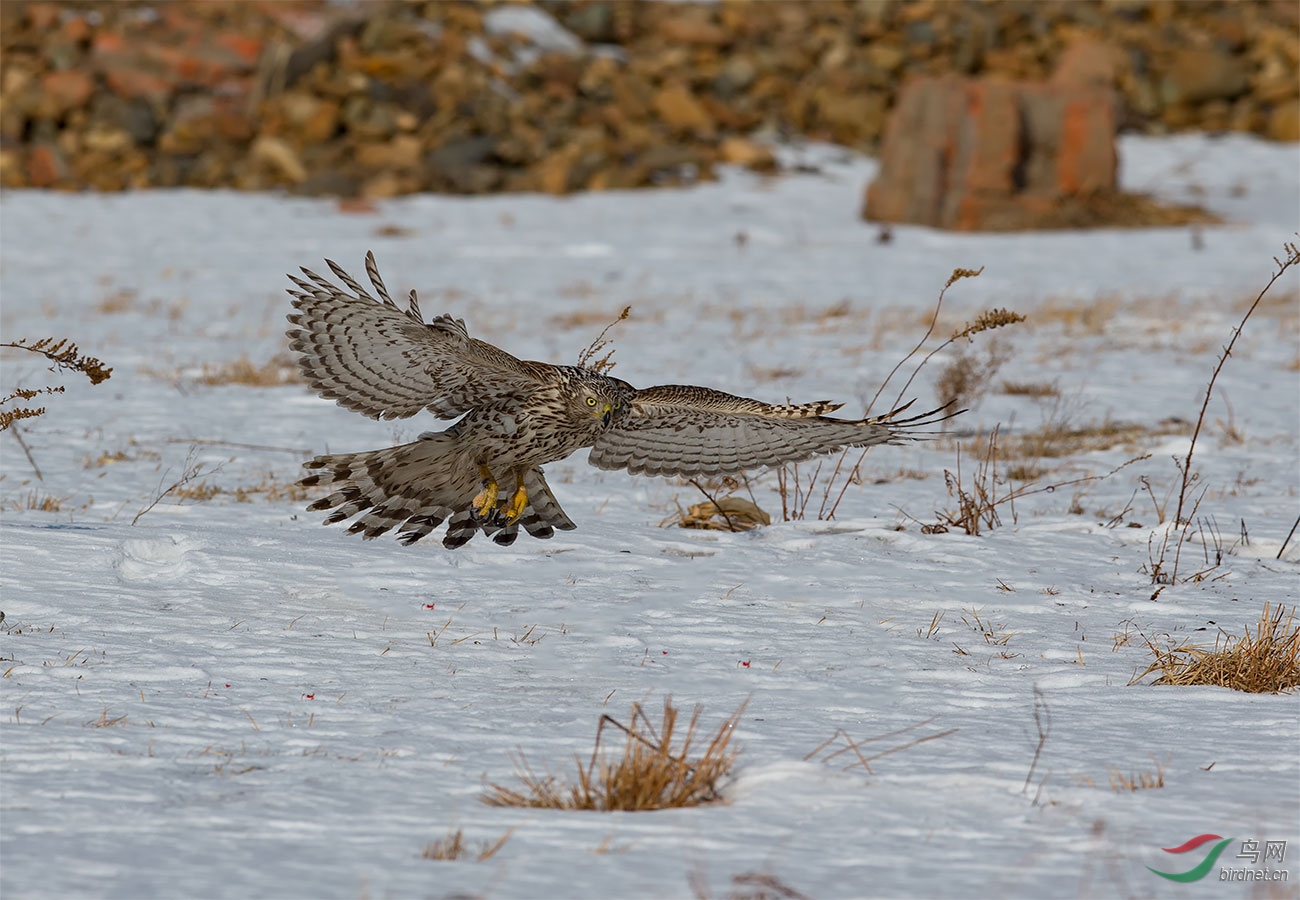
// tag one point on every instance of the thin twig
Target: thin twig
(730, 525)
(18, 436)
(214, 442)
(1292, 258)
(190, 473)
(1290, 535)
(1043, 724)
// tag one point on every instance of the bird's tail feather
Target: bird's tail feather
(418, 486)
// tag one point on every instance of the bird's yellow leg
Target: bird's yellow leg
(518, 502)
(485, 501)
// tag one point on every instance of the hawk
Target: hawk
(513, 416)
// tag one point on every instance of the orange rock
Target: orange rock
(681, 112)
(46, 166)
(742, 152)
(975, 154)
(76, 29)
(1087, 62)
(130, 82)
(689, 29)
(246, 48)
(1284, 121)
(42, 16)
(278, 156)
(11, 169)
(66, 90)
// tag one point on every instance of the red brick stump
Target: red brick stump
(976, 154)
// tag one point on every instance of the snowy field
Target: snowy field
(221, 698)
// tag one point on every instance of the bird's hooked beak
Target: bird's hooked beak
(606, 413)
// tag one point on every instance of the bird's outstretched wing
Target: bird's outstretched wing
(385, 362)
(688, 431)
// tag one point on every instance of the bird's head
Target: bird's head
(605, 399)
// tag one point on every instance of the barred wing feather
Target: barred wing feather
(385, 362)
(690, 431)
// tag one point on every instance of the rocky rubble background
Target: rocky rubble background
(379, 99)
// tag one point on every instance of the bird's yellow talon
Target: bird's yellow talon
(485, 501)
(512, 513)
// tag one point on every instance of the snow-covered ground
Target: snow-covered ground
(222, 698)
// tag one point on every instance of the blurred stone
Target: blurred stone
(65, 91)
(582, 94)
(1284, 122)
(694, 29)
(737, 74)
(278, 156)
(593, 22)
(46, 166)
(983, 154)
(1087, 62)
(681, 112)
(41, 16)
(534, 23)
(135, 117)
(743, 152)
(1198, 74)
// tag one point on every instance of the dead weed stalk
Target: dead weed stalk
(1189, 498)
(797, 488)
(588, 358)
(863, 760)
(979, 498)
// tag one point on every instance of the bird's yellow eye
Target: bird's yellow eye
(591, 401)
(618, 405)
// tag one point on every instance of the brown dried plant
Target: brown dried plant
(1189, 499)
(455, 847)
(797, 487)
(649, 774)
(979, 498)
(588, 357)
(279, 370)
(863, 760)
(1266, 662)
(1138, 781)
(64, 355)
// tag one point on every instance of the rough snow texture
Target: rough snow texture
(226, 699)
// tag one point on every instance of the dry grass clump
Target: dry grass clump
(35, 500)
(1137, 781)
(269, 489)
(119, 301)
(1034, 389)
(748, 886)
(455, 847)
(1056, 438)
(649, 774)
(1266, 662)
(280, 369)
(1120, 209)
